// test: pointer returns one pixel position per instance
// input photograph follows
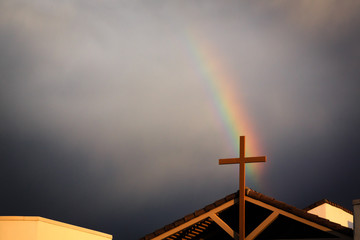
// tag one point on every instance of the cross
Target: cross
(241, 161)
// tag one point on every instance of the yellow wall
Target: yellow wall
(18, 230)
(333, 214)
(38, 228)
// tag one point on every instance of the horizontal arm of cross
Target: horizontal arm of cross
(229, 161)
(242, 160)
(255, 159)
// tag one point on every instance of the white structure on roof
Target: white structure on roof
(333, 212)
(38, 228)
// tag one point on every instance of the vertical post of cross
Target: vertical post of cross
(242, 189)
(241, 161)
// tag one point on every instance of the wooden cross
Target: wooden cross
(241, 161)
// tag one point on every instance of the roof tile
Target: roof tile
(220, 202)
(199, 212)
(209, 207)
(189, 217)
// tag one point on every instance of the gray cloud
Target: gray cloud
(104, 107)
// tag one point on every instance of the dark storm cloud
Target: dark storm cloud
(106, 124)
(318, 151)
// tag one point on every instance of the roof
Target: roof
(262, 198)
(322, 201)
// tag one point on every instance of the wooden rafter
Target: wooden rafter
(259, 229)
(224, 226)
(191, 232)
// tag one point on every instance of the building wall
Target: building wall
(19, 230)
(38, 228)
(333, 214)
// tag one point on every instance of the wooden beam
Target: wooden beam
(259, 229)
(204, 224)
(224, 226)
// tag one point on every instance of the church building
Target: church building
(266, 218)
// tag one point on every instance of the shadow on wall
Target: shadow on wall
(350, 225)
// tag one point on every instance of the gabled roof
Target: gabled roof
(253, 196)
(322, 201)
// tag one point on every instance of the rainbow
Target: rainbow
(229, 107)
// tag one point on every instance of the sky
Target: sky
(114, 113)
